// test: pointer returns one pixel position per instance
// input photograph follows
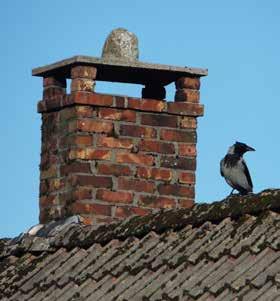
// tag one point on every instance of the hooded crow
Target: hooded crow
(234, 169)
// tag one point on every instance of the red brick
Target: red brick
(87, 98)
(114, 169)
(82, 193)
(154, 173)
(114, 196)
(188, 123)
(98, 209)
(188, 95)
(176, 190)
(50, 200)
(156, 202)
(188, 82)
(156, 147)
(137, 131)
(76, 140)
(83, 140)
(52, 97)
(90, 154)
(178, 162)
(83, 72)
(136, 185)
(185, 203)
(43, 187)
(146, 104)
(134, 159)
(187, 150)
(114, 114)
(185, 108)
(178, 135)
(186, 178)
(88, 125)
(115, 142)
(123, 212)
(74, 167)
(120, 101)
(94, 181)
(159, 120)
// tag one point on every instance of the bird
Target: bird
(234, 169)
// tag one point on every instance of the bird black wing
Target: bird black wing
(247, 174)
(221, 169)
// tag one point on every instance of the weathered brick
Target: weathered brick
(178, 135)
(75, 112)
(146, 104)
(53, 96)
(137, 131)
(114, 114)
(188, 95)
(82, 193)
(154, 173)
(185, 203)
(88, 125)
(87, 98)
(187, 150)
(55, 184)
(176, 190)
(120, 101)
(89, 154)
(134, 159)
(156, 147)
(113, 142)
(185, 108)
(114, 169)
(186, 177)
(159, 120)
(136, 185)
(156, 202)
(82, 84)
(43, 187)
(74, 167)
(97, 209)
(178, 163)
(123, 212)
(94, 181)
(50, 200)
(83, 140)
(83, 72)
(188, 82)
(188, 123)
(114, 196)
(51, 172)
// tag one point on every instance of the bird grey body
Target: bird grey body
(234, 169)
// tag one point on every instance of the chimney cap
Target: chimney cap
(135, 72)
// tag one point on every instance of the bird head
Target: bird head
(240, 148)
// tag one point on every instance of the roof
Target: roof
(227, 250)
(120, 70)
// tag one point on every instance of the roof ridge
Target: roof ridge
(76, 235)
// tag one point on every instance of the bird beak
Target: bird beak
(249, 148)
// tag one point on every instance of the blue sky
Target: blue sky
(238, 41)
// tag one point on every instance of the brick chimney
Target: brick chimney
(107, 157)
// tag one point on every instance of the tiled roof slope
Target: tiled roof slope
(228, 250)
